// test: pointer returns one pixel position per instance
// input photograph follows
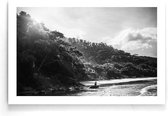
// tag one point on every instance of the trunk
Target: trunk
(42, 63)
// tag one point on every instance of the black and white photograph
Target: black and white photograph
(83, 57)
(86, 51)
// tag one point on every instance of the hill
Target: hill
(110, 63)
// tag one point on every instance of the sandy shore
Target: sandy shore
(130, 89)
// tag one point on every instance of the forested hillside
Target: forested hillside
(111, 63)
(44, 59)
(48, 61)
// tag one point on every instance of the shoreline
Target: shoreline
(112, 88)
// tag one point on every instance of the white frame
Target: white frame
(13, 99)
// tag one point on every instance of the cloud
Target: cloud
(132, 40)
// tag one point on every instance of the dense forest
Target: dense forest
(48, 61)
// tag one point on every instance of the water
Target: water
(116, 81)
(119, 87)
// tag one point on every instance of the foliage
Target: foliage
(43, 56)
(112, 63)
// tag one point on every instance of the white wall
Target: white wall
(49, 110)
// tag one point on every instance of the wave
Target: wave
(149, 91)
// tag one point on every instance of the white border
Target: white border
(13, 99)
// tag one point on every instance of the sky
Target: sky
(132, 29)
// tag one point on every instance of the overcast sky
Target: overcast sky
(133, 30)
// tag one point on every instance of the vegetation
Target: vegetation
(111, 63)
(44, 59)
(49, 63)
